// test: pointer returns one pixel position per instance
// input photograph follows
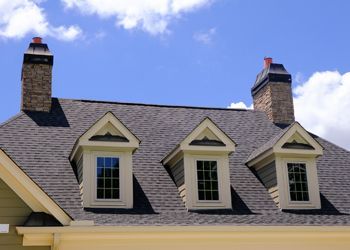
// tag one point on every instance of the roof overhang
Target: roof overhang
(29, 191)
(174, 237)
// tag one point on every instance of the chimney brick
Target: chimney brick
(37, 78)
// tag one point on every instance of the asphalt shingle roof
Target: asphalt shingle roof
(40, 143)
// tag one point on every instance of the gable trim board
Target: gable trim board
(109, 119)
(186, 147)
(275, 145)
(29, 191)
(187, 237)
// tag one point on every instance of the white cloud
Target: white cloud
(21, 17)
(205, 37)
(240, 105)
(322, 106)
(152, 16)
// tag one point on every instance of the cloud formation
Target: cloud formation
(152, 16)
(21, 17)
(322, 106)
(205, 37)
(239, 105)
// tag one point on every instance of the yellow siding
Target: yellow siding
(13, 211)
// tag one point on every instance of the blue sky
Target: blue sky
(201, 53)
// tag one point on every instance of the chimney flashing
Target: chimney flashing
(272, 94)
(275, 72)
(38, 53)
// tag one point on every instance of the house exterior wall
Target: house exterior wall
(13, 211)
(179, 177)
(268, 176)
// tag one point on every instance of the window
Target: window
(107, 173)
(298, 186)
(207, 181)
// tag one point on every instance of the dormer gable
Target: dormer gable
(296, 140)
(103, 159)
(108, 131)
(207, 136)
(199, 166)
(286, 165)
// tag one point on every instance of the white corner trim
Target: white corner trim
(29, 191)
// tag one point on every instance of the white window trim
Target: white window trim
(125, 181)
(122, 176)
(312, 182)
(191, 182)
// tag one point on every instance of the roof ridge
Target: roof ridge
(158, 105)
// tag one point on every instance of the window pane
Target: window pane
(100, 193)
(107, 174)
(115, 194)
(199, 165)
(100, 183)
(108, 162)
(206, 165)
(214, 185)
(200, 185)
(201, 195)
(100, 172)
(215, 195)
(100, 162)
(115, 183)
(108, 193)
(207, 178)
(298, 182)
(108, 183)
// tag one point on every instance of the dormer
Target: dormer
(199, 166)
(286, 165)
(103, 160)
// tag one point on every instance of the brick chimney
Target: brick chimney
(37, 77)
(272, 93)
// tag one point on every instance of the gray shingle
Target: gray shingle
(41, 143)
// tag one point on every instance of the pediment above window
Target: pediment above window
(297, 140)
(108, 132)
(207, 136)
(292, 141)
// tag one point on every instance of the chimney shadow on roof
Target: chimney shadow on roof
(327, 208)
(55, 118)
(141, 204)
